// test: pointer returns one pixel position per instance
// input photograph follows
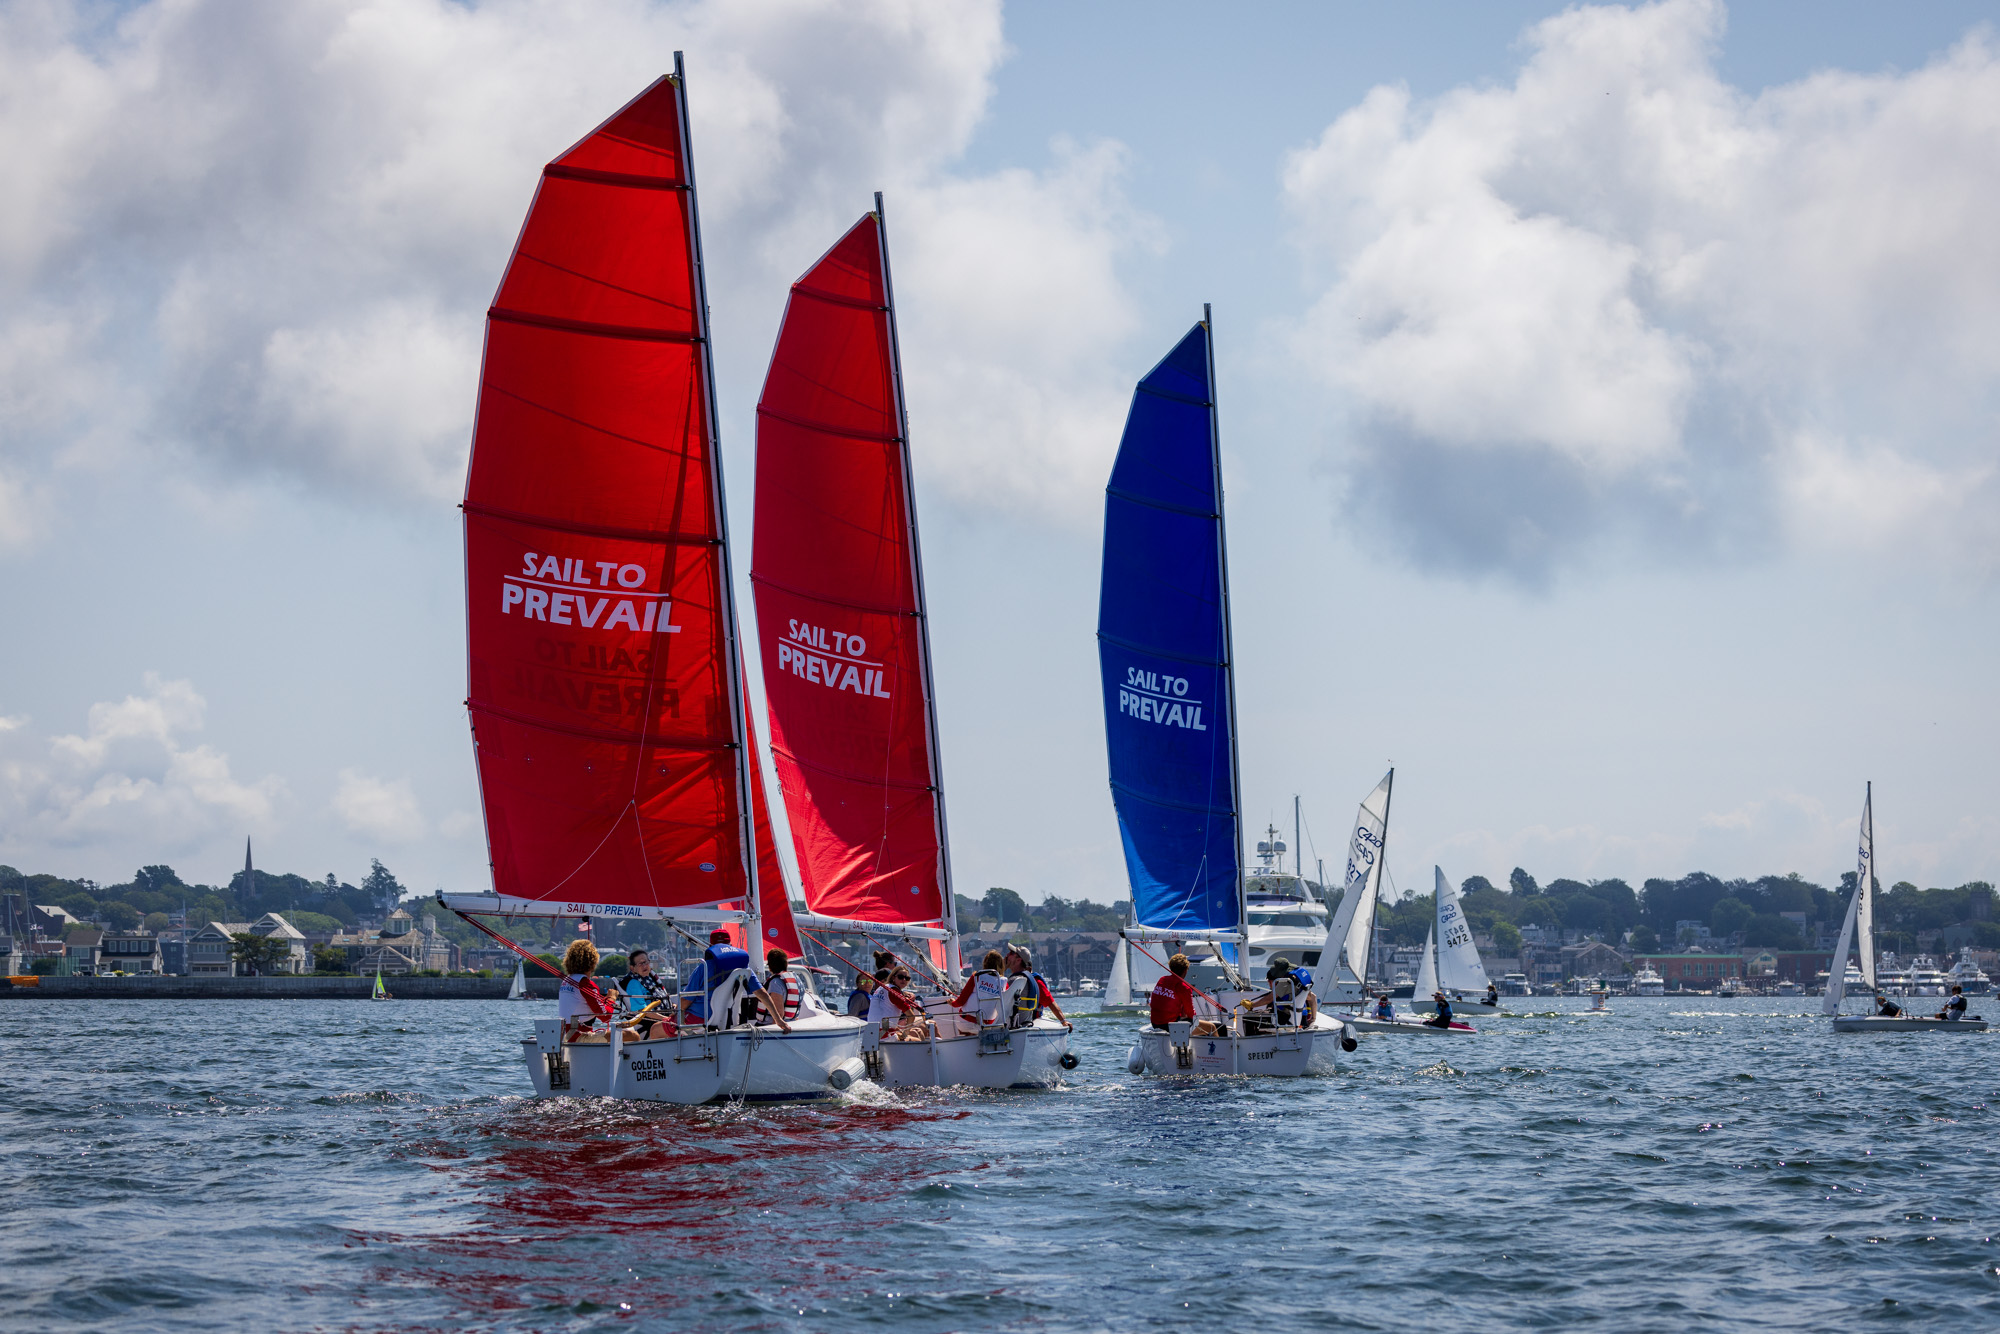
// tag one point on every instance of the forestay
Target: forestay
(601, 634)
(1163, 648)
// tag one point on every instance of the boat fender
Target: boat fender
(1069, 1061)
(842, 1076)
(1135, 1060)
(1348, 1040)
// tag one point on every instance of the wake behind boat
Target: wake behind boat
(605, 682)
(1165, 652)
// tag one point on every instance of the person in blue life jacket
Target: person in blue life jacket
(1955, 1007)
(1036, 997)
(1304, 1005)
(1384, 1010)
(1443, 1017)
(718, 962)
(642, 989)
(859, 999)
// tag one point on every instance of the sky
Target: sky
(1607, 400)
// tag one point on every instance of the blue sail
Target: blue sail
(1163, 647)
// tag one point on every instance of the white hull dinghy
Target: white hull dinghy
(837, 569)
(1285, 1054)
(1857, 931)
(618, 775)
(1451, 961)
(1369, 1026)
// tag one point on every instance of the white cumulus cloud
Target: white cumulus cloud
(386, 811)
(262, 237)
(128, 778)
(1619, 296)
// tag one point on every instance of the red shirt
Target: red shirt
(1173, 1001)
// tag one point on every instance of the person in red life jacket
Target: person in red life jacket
(781, 986)
(1034, 996)
(573, 999)
(1173, 999)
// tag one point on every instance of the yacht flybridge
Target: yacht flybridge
(1857, 931)
(1164, 649)
(605, 685)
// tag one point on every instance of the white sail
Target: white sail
(1458, 965)
(1860, 920)
(519, 990)
(1836, 971)
(1344, 958)
(1864, 891)
(1427, 973)
(1118, 987)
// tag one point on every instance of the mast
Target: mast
(949, 901)
(1298, 840)
(1228, 645)
(746, 822)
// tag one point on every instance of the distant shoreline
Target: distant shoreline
(273, 988)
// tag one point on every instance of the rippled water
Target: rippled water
(333, 1165)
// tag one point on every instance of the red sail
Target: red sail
(602, 682)
(839, 608)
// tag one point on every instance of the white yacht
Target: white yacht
(1926, 978)
(1647, 982)
(1283, 915)
(1515, 984)
(1968, 974)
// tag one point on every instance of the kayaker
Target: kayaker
(1955, 1007)
(1443, 1017)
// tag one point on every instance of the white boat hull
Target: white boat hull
(751, 1064)
(1904, 1023)
(1410, 1027)
(1030, 1058)
(1282, 1055)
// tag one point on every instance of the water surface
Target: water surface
(1671, 1165)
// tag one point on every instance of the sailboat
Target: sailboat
(1450, 960)
(1857, 931)
(1342, 978)
(519, 989)
(605, 686)
(1164, 649)
(844, 629)
(380, 992)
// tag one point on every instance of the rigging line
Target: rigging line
(589, 988)
(1163, 968)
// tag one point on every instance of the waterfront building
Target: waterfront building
(211, 949)
(1693, 971)
(136, 952)
(81, 948)
(173, 949)
(296, 957)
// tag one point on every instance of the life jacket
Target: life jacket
(787, 986)
(1024, 1004)
(988, 998)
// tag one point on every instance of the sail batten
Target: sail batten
(600, 628)
(1164, 655)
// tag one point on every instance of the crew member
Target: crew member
(857, 999)
(718, 963)
(574, 997)
(1033, 995)
(1492, 995)
(900, 1014)
(1886, 1008)
(1383, 1009)
(1173, 999)
(782, 986)
(982, 1000)
(1955, 1007)
(642, 989)
(1443, 1017)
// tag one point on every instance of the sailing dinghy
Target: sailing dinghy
(845, 635)
(605, 684)
(1857, 932)
(519, 988)
(1164, 648)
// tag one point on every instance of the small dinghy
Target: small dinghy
(1857, 931)
(519, 991)
(610, 724)
(380, 993)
